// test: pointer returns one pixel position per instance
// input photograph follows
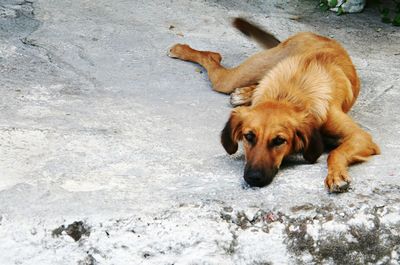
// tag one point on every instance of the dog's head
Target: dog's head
(270, 132)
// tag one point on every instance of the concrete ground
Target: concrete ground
(110, 153)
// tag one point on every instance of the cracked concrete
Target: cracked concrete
(99, 127)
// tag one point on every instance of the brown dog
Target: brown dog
(291, 94)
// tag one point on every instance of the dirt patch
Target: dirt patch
(75, 230)
(341, 240)
(89, 260)
(326, 233)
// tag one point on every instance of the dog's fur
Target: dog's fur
(291, 94)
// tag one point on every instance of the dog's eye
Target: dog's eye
(277, 141)
(250, 137)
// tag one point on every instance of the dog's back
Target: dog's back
(311, 47)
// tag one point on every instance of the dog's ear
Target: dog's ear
(232, 132)
(315, 147)
(311, 144)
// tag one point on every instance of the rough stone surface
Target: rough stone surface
(98, 125)
(349, 6)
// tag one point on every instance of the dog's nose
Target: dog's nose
(254, 178)
(258, 178)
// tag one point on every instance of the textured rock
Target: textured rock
(349, 6)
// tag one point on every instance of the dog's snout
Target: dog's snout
(254, 178)
(259, 177)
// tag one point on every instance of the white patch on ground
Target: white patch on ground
(313, 230)
(180, 236)
(332, 226)
(7, 50)
(361, 219)
(269, 247)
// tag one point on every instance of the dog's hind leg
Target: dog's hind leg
(355, 145)
(226, 80)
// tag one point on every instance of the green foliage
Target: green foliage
(325, 5)
(390, 12)
(340, 11)
(396, 20)
(332, 3)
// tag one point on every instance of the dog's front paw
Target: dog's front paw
(242, 96)
(338, 181)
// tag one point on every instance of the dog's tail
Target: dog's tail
(261, 36)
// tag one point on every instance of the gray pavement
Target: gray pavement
(99, 127)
